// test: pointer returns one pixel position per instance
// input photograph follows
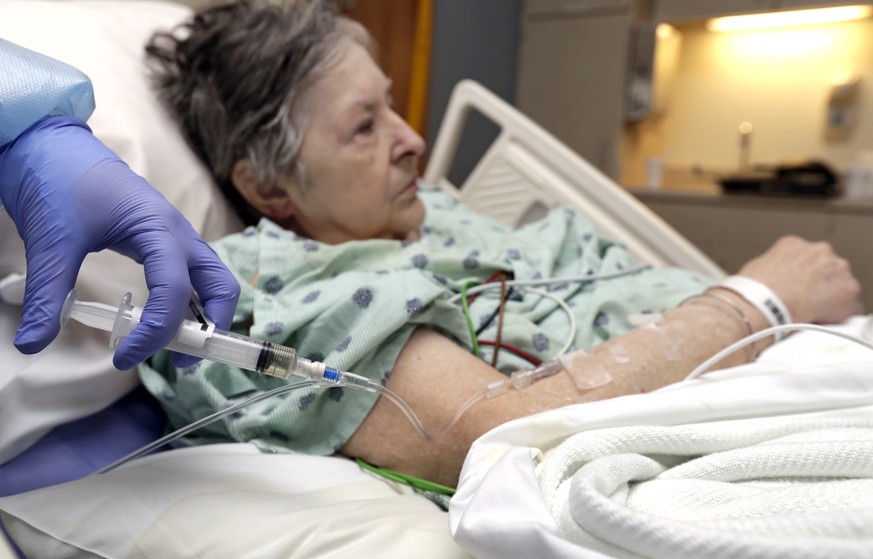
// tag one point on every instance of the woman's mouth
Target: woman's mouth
(410, 189)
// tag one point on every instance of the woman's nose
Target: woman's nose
(408, 141)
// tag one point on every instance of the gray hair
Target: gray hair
(235, 77)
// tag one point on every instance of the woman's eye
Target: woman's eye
(365, 127)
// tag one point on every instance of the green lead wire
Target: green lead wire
(470, 326)
(412, 481)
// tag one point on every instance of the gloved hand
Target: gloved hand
(69, 195)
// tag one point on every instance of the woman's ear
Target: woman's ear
(276, 205)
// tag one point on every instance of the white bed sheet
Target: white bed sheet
(511, 504)
(229, 501)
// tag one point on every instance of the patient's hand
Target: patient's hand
(814, 282)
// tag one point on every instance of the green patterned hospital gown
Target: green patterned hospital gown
(354, 305)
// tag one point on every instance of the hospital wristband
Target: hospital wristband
(762, 298)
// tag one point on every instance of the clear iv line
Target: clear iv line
(202, 422)
(518, 380)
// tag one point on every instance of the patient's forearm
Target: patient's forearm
(653, 356)
(436, 377)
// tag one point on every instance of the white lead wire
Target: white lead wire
(706, 365)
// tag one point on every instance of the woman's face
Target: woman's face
(359, 158)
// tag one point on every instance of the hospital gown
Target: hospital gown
(354, 306)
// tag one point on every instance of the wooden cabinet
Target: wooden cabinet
(732, 229)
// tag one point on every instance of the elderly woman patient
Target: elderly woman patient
(353, 263)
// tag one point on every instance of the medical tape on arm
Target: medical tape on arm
(585, 375)
(762, 298)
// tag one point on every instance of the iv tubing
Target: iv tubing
(465, 305)
(706, 365)
(518, 380)
(566, 308)
(560, 302)
(202, 422)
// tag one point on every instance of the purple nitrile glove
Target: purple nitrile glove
(69, 195)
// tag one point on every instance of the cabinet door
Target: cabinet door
(571, 77)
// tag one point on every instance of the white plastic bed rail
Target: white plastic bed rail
(527, 169)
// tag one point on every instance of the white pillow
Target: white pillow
(104, 39)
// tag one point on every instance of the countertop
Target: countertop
(836, 204)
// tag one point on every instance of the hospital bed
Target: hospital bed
(66, 412)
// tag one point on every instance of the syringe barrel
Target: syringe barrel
(244, 352)
(201, 340)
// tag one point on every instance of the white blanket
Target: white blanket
(766, 460)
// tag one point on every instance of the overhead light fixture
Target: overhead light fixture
(664, 31)
(788, 19)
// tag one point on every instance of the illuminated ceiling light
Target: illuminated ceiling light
(787, 19)
(665, 31)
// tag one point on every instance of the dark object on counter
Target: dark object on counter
(811, 178)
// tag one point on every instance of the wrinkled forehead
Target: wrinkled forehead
(351, 82)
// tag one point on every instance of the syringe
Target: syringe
(202, 339)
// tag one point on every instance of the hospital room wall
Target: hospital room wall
(780, 80)
(574, 79)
